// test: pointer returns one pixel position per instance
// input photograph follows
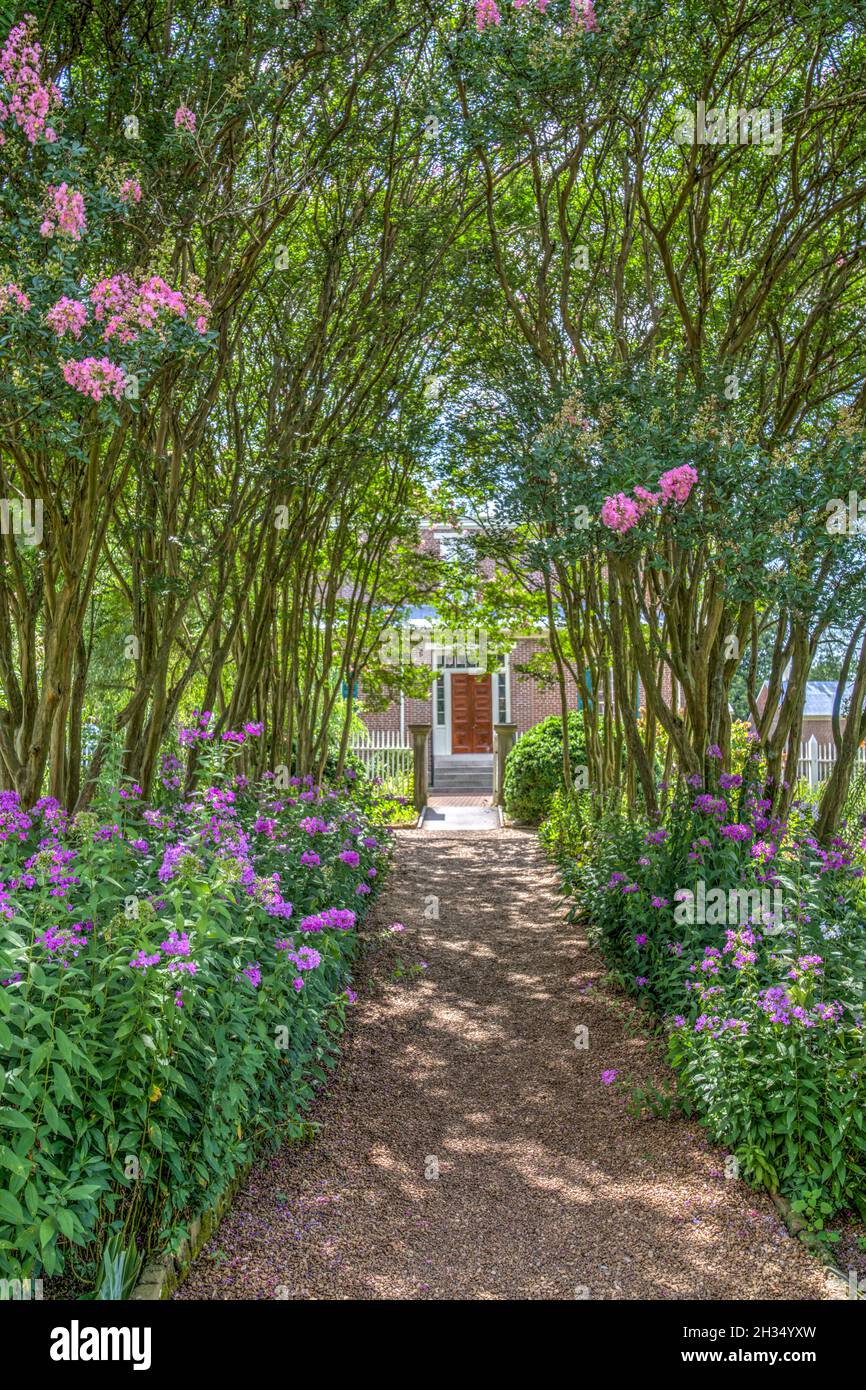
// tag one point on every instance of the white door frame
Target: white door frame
(442, 732)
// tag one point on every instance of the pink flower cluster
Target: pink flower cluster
(95, 377)
(184, 119)
(621, 512)
(26, 98)
(67, 316)
(11, 294)
(486, 12)
(584, 12)
(130, 190)
(128, 309)
(66, 216)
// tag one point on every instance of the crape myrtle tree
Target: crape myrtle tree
(225, 265)
(684, 302)
(68, 438)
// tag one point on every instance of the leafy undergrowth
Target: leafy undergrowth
(747, 939)
(174, 986)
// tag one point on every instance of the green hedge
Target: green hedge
(533, 771)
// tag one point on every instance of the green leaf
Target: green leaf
(10, 1208)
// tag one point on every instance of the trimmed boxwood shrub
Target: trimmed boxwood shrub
(533, 771)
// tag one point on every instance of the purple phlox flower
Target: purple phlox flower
(64, 942)
(142, 961)
(737, 831)
(763, 849)
(171, 861)
(313, 825)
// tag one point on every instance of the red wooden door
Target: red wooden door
(471, 713)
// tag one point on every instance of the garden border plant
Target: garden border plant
(764, 1010)
(174, 984)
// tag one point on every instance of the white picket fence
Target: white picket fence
(816, 761)
(385, 753)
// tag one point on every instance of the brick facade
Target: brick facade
(530, 701)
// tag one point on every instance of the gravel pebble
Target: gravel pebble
(468, 1149)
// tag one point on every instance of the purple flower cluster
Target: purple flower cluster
(64, 942)
(340, 917)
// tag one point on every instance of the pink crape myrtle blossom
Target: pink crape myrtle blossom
(128, 309)
(95, 377)
(66, 216)
(486, 13)
(583, 11)
(130, 191)
(24, 97)
(620, 513)
(67, 316)
(184, 119)
(646, 500)
(677, 483)
(10, 294)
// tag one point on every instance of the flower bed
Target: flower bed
(174, 980)
(748, 937)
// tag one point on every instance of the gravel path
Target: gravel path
(545, 1187)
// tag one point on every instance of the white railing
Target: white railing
(385, 753)
(816, 761)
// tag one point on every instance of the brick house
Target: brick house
(465, 701)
